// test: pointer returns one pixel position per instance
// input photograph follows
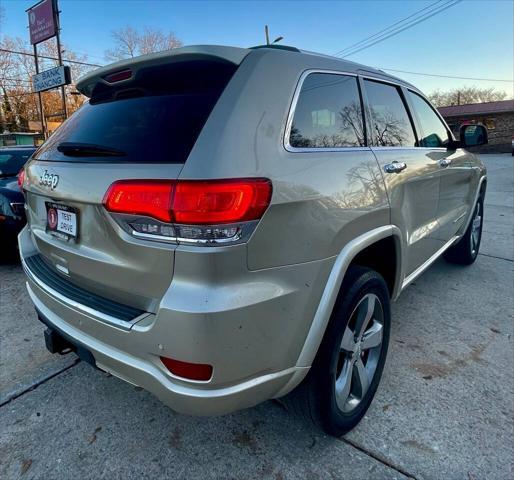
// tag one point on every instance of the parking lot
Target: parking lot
(444, 408)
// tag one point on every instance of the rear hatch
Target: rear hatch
(141, 122)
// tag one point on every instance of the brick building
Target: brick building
(498, 117)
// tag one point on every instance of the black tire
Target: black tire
(315, 399)
(465, 251)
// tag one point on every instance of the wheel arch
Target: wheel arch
(355, 250)
(482, 186)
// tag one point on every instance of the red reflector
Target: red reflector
(141, 197)
(191, 202)
(118, 76)
(192, 371)
(21, 178)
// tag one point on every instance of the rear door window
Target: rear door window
(157, 118)
(433, 130)
(390, 122)
(328, 113)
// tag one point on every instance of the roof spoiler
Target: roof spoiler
(87, 83)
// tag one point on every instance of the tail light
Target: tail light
(201, 211)
(135, 197)
(21, 178)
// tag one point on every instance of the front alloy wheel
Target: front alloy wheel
(465, 251)
(476, 229)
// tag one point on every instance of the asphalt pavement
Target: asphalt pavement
(444, 409)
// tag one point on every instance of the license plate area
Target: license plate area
(62, 221)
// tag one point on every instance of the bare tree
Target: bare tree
(128, 42)
(465, 95)
(18, 104)
(153, 40)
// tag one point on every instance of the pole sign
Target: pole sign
(42, 25)
(55, 77)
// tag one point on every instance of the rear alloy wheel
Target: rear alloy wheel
(465, 251)
(346, 372)
(360, 352)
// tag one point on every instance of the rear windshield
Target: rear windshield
(155, 119)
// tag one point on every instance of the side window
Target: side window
(328, 113)
(390, 122)
(434, 133)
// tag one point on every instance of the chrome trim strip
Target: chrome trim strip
(460, 216)
(416, 273)
(417, 149)
(388, 80)
(154, 238)
(122, 221)
(294, 103)
(190, 241)
(292, 108)
(84, 309)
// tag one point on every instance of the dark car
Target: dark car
(12, 202)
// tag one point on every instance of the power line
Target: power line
(49, 58)
(449, 76)
(11, 79)
(385, 29)
(398, 30)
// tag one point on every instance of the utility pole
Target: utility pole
(41, 112)
(59, 56)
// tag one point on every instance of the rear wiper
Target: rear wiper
(75, 149)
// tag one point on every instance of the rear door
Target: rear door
(140, 128)
(456, 187)
(411, 174)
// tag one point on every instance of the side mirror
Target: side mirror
(473, 135)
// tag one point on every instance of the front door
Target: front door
(455, 171)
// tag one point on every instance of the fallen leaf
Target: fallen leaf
(25, 466)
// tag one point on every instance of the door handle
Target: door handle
(445, 162)
(395, 167)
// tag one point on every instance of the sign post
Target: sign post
(44, 24)
(41, 111)
(59, 56)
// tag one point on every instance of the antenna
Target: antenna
(266, 33)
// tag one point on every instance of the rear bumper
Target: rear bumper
(179, 396)
(253, 347)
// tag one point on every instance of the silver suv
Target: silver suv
(222, 226)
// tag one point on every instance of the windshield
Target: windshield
(11, 162)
